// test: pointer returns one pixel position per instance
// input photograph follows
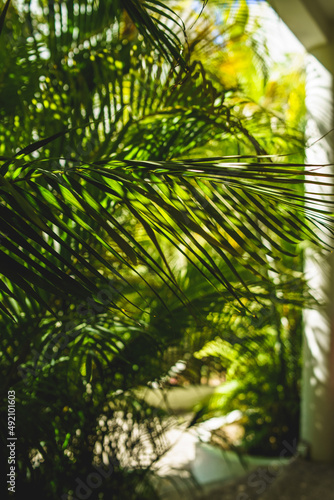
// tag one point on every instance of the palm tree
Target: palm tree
(103, 204)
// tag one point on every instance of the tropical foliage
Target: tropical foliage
(121, 237)
(261, 358)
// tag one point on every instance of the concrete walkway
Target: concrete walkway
(194, 469)
(303, 480)
(300, 480)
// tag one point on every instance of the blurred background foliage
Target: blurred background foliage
(121, 255)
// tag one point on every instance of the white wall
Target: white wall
(317, 410)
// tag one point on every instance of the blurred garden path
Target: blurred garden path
(300, 480)
(193, 469)
(211, 475)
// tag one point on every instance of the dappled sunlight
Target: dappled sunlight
(156, 215)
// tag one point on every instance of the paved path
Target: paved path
(303, 480)
(300, 480)
(193, 469)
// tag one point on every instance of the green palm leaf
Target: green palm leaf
(241, 213)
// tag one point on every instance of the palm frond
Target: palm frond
(243, 212)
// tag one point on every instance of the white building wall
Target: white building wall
(317, 410)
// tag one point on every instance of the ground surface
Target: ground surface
(300, 480)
